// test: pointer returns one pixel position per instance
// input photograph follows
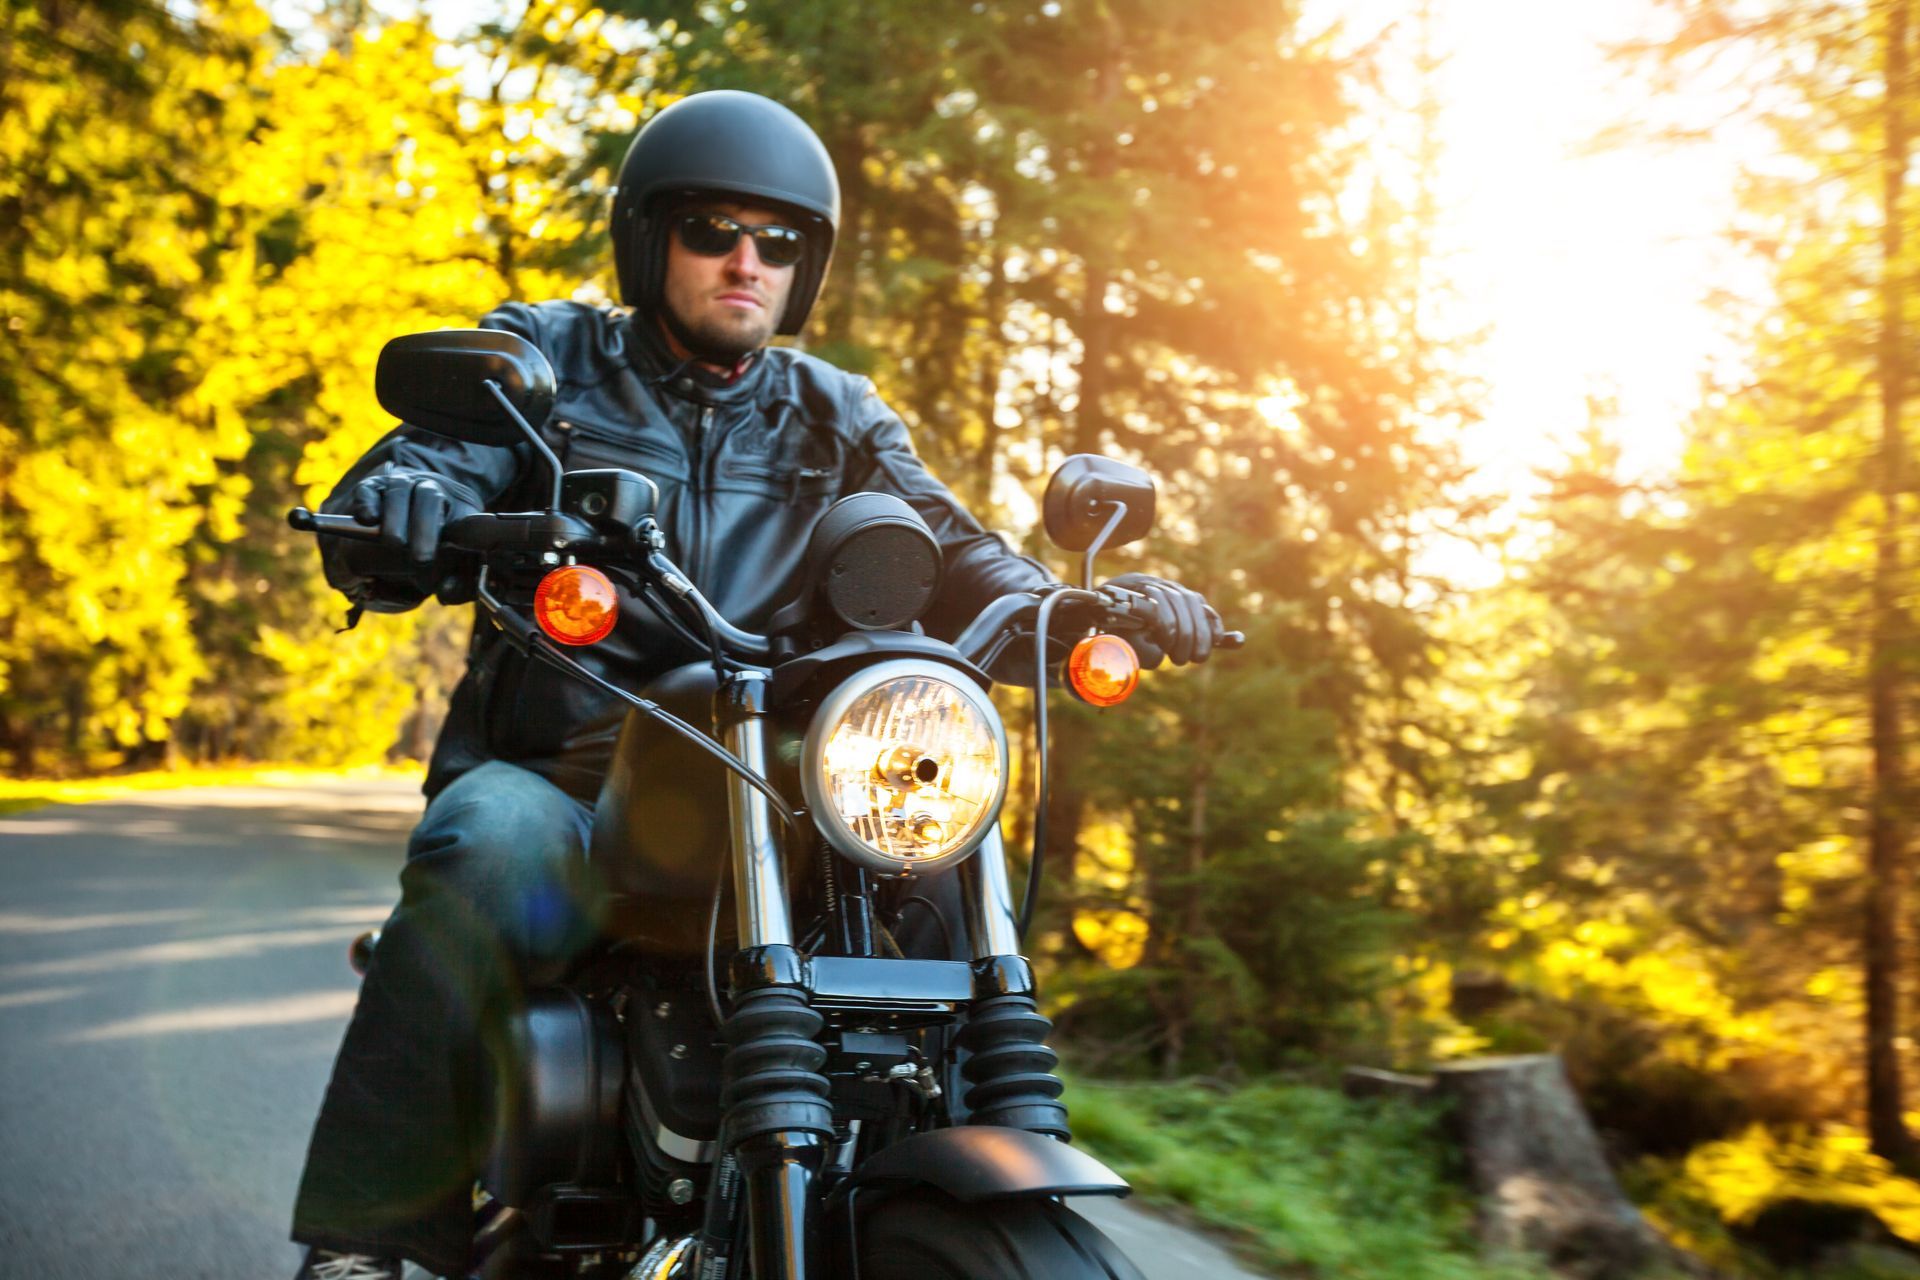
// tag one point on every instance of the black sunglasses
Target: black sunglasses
(713, 235)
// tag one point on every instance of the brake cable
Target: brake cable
(679, 726)
(1040, 636)
(713, 945)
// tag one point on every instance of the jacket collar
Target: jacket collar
(686, 380)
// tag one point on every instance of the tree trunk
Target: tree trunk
(1544, 1184)
(1096, 344)
(986, 456)
(1094, 323)
(842, 302)
(1887, 836)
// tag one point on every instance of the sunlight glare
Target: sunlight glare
(316, 1006)
(1586, 271)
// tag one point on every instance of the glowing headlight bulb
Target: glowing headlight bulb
(907, 768)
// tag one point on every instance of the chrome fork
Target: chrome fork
(761, 910)
(778, 1125)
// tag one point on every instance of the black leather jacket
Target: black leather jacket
(744, 469)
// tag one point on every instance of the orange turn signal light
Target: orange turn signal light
(1103, 670)
(576, 604)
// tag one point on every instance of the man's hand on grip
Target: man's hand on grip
(1184, 632)
(411, 508)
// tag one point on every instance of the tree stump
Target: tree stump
(1544, 1185)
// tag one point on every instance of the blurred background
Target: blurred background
(1530, 382)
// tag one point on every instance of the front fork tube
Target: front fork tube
(989, 900)
(761, 910)
(778, 1120)
(783, 1207)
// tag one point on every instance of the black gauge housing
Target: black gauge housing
(872, 565)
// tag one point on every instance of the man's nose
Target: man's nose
(744, 261)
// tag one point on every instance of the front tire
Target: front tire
(925, 1235)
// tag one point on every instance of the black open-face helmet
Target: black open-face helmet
(730, 144)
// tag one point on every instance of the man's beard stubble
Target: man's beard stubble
(729, 346)
(718, 342)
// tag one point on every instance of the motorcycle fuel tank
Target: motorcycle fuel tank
(660, 824)
(660, 827)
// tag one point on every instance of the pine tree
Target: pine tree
(1835, 83)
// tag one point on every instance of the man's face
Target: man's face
(732, 304)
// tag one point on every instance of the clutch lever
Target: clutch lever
(1131, 610)
(332, 526)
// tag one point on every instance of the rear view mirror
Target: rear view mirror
(437, 380)
(1081, 498)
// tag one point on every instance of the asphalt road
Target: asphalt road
(173, 986)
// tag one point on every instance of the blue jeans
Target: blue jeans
(493, 900)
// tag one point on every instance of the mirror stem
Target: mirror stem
(540, 446)
(1093, 548)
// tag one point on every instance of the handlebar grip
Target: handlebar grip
(331, 526)
(1230, 640)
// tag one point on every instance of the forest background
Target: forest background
(1642, 797)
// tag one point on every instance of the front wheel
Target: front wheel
(924, 1235)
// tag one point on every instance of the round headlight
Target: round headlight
(905, 767)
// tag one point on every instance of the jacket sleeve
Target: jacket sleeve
(379, 578)
(980, 566)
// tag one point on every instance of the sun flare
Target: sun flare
(1583, 272)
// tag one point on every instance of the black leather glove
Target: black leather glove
(411, 508)
(1184, 632)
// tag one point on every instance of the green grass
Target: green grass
(1312, 1183)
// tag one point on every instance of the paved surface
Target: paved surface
(173, 986)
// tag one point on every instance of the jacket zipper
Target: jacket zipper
(697, 543)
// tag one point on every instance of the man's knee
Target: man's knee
(506, 846)
(500, 814)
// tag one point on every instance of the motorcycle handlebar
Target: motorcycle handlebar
(479, 533)
(548, 530)
(1106, 608)
(1115, 607)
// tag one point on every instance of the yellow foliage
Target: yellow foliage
(1118, 937)
(223, 238)
(1105, 864)
(1741, 1176)
(17, 794)
(1634, 960)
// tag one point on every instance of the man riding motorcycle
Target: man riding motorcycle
(723, 224)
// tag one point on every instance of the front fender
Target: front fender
(986, 1162)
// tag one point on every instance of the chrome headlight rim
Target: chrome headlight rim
(827, 717)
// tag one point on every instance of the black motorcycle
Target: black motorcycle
(868, 1093)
